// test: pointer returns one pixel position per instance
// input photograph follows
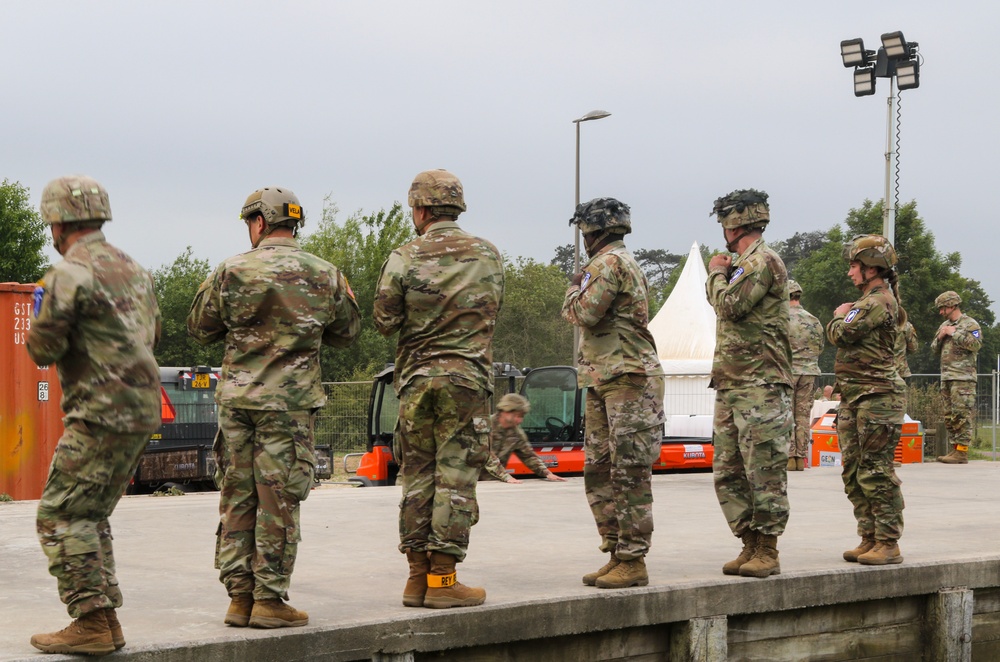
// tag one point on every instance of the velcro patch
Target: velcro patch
(851, 315)
(440, 581)
(736, 275)
(586, 279)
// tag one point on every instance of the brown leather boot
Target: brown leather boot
(590, 579)
(89, 635)
(749, 539)
(791, 464)
(867, 543)
(444, 590)
(800, 464)
(765, 558)
(240, 608)
(117, 636)
(625, 574)
(276, 614)
(956, 456)
(885, 552)
(416, 583)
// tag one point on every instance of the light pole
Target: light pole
(592, 115)
(898, 61)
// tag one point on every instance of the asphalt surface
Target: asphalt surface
(533, 543)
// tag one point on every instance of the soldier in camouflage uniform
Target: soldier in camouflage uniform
(97, 319)
(752, 377)
(805, 335)
(273, 306)
(872, 399)
(957, 341)
(618, 364)
(442, 293)
(507, 438)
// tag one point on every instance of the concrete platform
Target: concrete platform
(532, 545)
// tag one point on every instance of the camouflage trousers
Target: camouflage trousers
(867, 431)
(90, 470)
(624, 432)
(803, 395)
(751, 432)
(444, 441)
(265, 468)
(959, 403)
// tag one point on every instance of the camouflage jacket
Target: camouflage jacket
(906, 343)
(958, 352)
(442, 292)
(805, 335)
(505, 442)
(611, 307)
(97, 319)
(274, 306)
(865, 338)
(751, 307)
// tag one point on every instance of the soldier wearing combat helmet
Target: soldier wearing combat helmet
(507, 438)
(751, 374)
(97, 319)
(441, 293)
(805, 335)
(872, 398)
(619, 367)
(273, 306)
(957, 341)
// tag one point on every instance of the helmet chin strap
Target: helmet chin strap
(731, 245)
(596, 244)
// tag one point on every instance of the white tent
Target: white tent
(684, 331)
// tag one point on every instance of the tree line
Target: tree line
(530, 331)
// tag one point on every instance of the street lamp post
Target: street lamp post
(592, 115)
(898, 61)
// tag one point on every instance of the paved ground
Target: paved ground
(534, 542)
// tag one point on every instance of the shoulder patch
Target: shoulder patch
(975, 333)
(851, 315)
(736, 275)
(586, 279)
(37, 297)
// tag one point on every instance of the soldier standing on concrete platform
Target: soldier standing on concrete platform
(619, 366)
(957, 341)
(273, 306)
(507, 438)
(97, 319)
(442, 293)
(873, 394)
(805, 335)
(752, 377)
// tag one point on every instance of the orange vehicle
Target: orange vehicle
(554, 426)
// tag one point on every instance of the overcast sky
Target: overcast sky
(182, 108)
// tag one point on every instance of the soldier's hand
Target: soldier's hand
(842, 309)
(946, 331)
(721, 260)
(577, 279)
(552, 477)
(512, 481)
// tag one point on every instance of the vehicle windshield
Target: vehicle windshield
(552, 394)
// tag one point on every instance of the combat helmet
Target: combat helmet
(439, 190)
(794, 288)
(277, 205)
(603, 215)
(947, 299)
(871, 250)
(514, 402)
(744, 207)
(75, 199)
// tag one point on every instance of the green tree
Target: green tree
(359, 247)
(23, 235)
(176, 284)
(798, 246)
(661, 270)
(564, 259)
(530, 329)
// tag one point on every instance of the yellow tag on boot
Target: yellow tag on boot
(440, 581)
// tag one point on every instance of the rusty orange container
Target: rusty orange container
(30, 417)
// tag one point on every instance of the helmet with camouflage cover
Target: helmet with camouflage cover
(744, 207)
(438, 189)
(74, 199)
(794, 289)
(603, 215)
(871, 250)
(514, 402)
(277, 205)
(947, 299)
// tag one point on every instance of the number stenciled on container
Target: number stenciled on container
(43, 391)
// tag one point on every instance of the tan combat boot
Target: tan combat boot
(89, 635)
(591, 578)
(749, 539)
(791, 465)
(765, 558)
(117, 636)
(956, 456)
(625, 574)
(276, 614)
(416, 583)
(800, 464)
(240, 608)
(443, 589)
(885, 552)
(867, 543)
